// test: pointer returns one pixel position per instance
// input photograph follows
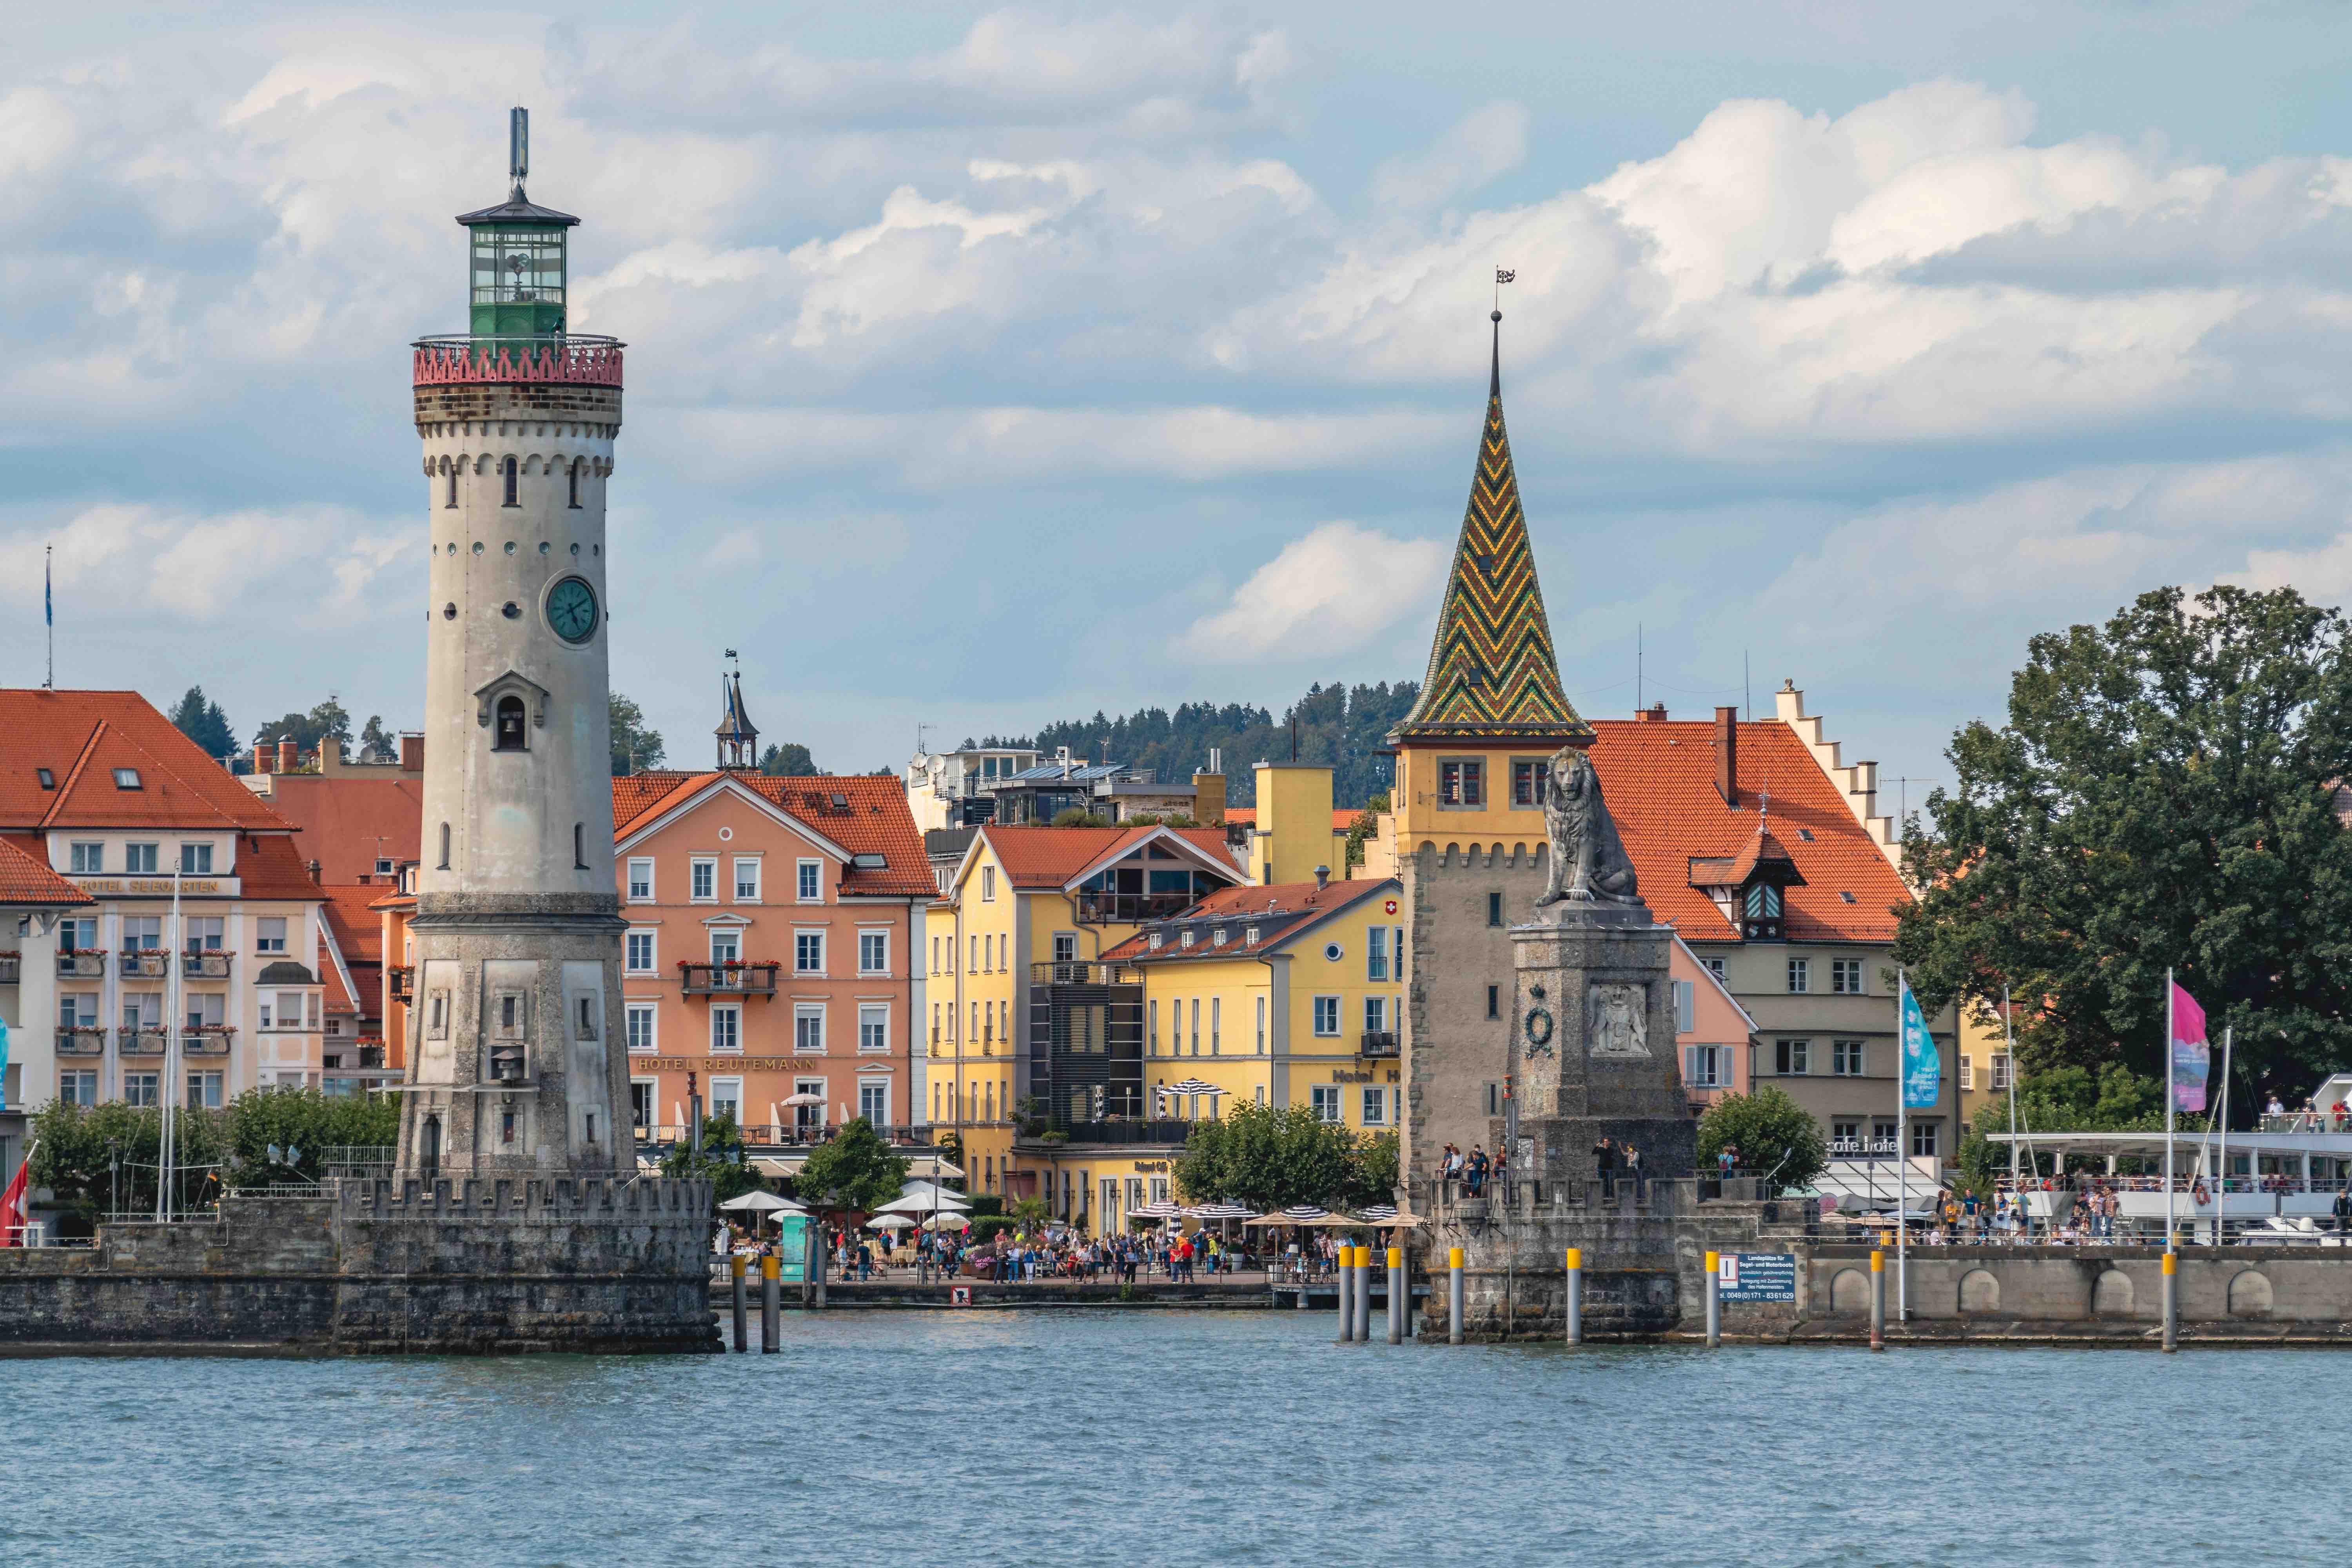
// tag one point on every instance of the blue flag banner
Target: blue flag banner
(1923, 1068)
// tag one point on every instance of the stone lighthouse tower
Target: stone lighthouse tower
(512, 1069)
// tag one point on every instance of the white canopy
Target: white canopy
(945, 1221)
(761, 1202)
(924, 1203)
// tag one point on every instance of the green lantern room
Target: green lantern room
(518, 257)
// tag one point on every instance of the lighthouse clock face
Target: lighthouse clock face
(572, 610)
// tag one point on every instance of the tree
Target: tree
(790, 760)
(2065, 1099)
(307, 1121)
(1774, 1136)
(204, 723)
(2162, 795)
(854, 1169)
(635, 747)
(722, 1163)
(74, 1149)
(1271, 1156)
(376, 743)
(326, 721)
(1079, 816)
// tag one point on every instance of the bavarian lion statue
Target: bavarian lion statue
(1587, 858)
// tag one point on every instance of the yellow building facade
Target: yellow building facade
(1027, 911)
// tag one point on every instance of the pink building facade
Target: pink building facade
(1714, 1034)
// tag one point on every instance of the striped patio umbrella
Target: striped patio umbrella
(1163, 1209)
(1194, 1085)
(1379, 1212)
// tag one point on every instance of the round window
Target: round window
(1333, 951)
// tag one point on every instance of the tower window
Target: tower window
(445, 848)
(509, 728)
(575, 484)
(451, 504)
(511, 472)
(579, 851)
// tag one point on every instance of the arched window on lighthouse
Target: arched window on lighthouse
(509, 729)
(451, 503)
(575, 483)
(511, 473)
(445, 848)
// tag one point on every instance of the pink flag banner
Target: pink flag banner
(2192, 1058)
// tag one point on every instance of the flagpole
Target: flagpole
(2008, 1044)
(2221, 1181)
(174, 990)
(1902, 1152)
(50, 616)
(2169, 1209)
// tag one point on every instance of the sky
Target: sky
(994, 366)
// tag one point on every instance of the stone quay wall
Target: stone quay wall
(1644, 1271)
(482, 1268)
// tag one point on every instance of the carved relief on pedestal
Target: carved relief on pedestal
(1617, 1021)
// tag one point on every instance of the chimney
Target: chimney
(265, 761)
(1322, 878)
(411, 753)
(314, 870)
(1727, 756)
(1209, 798)
(289, 756)
(1653, 714)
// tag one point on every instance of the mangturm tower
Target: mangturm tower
(512, 1069)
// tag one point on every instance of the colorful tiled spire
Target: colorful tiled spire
(1492, 671)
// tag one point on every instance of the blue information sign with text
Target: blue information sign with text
(1757, 1275)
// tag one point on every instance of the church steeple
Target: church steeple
(1492, 671)
(739, 741)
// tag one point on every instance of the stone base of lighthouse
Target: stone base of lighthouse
(513, 1031)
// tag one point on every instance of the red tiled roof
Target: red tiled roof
(345, 824)
(81, 737)
(873, 820)
(1049, 857)
(268, 868)
(350, 911)
(1659, 782)
(1342, 818)
(25, 879)
(1281, 911)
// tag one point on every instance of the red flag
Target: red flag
(2192, 1058)
(11, 1204)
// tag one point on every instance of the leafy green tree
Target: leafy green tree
(202, 720)
(1774, 1136)
(790, 760)
(1271, 1156)
(326, 723)
(636, 747)
(75, 1147)
(2163, 793)
(856, 1167)
(1372, 1170)
(723, 1163)
(1079, 816)
(378, 744)
(305, 1120)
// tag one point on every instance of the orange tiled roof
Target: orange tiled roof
(81, 737)
(346, 823)
(1659, 782)
(1342, 818)
(1280, 910)
(873, 820)
(350, 911)
(1044, 858)
(268, 868)
(25, 879)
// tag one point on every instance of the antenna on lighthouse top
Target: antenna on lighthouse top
(518, 147)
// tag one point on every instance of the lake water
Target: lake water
(1057, 1437)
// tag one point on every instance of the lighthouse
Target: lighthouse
(512, 1065)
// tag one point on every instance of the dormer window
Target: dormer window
(1762, 908)
(1250, 936)
(1155, 941)
(1217, 938)
(126, 778)
(1185, 941)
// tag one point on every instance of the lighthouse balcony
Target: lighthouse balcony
(573, 357)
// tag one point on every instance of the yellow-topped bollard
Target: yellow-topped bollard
(1714, 1299)
(1572, 1309)
(2171, 1301)
(1877, 1300)
(742, 1307)
(1399, 1295)
(1453, 1295)
(772, 1322)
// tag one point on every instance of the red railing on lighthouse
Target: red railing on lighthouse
(584, 361)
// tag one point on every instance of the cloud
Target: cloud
(1328, 593)
(1487, 142)
(116, 564)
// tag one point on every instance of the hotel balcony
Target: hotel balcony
(82, 1040)
(151, 962)
(401, 983)
(209, 1040)
(139, 1042)
(90, 964)
(211, 965)
(1379, 1043)
(729, 978)
(1083, 971)
(1132, 909)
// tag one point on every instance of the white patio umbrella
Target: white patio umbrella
(761, 1203)
(888, 1222)
(924, 1203)
(940, 1222)
(797, 1100)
